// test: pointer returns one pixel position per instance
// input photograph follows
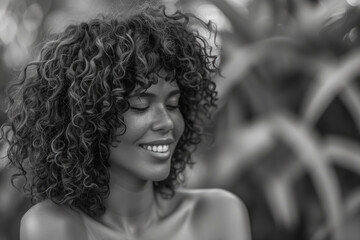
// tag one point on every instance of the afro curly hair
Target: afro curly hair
(66, 109)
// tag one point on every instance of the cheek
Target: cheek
(180, 124)
(136, 126)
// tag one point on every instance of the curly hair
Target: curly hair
(67, 106)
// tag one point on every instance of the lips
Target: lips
(162, 141)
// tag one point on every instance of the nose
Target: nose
(162, 120)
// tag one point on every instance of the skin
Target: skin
(153, 119)
(133, 209)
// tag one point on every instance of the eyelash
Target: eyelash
(139, 109)
(173, 107)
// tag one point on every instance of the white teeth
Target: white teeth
(159, 148)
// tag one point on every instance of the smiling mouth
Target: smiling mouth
(156, 148)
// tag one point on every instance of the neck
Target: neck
(127, 202)
(129, 207)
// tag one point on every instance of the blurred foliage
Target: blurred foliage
(287, 140)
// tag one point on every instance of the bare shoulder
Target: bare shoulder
(220, 212)
(213, 199)
(47, 220)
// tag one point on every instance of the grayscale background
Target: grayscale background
(287, 141)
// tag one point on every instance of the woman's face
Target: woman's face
(154, 125)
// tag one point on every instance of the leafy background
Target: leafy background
(287, 136)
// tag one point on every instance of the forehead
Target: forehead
(160, 89)
(162, 84)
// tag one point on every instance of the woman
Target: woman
(102, 127)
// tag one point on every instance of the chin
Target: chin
(160, 175)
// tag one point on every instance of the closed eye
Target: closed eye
(139, 109)
(172, 107)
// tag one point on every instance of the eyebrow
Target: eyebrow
(151, 95)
